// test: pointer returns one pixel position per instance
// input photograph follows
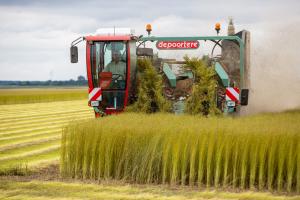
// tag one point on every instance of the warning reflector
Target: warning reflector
(95, 94)
(232, 94)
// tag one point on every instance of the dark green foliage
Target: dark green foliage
(203, 98)
(150, 95)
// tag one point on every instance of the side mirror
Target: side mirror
(244, 97)
(74, 54)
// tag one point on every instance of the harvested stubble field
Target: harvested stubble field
(30, 133)
(30, 136)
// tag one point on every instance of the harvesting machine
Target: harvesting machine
(111, 63)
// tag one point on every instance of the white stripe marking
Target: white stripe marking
(234, 93)
(99, 98)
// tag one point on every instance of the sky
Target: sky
(35, 35)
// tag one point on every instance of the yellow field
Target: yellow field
(30, 133)
(37, 95)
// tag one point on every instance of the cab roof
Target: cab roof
(108, 38)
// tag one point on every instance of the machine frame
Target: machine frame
(142, 40)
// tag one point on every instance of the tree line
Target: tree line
(81, 81)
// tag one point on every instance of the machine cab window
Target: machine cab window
(109, 65)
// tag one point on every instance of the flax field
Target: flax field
(259, 152)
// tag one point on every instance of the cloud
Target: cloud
(34, 43)
(36, 35)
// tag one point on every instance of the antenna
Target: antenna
(231, 29)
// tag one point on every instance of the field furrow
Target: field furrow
(30, 147)
(46, 106)
(19, 131)
(31, 160)
(29, 153)
(28, 142)
(42, 119)
(26, 115)
(26, 133)
(10, 142)
(55, 121)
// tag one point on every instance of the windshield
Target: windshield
(109, 64)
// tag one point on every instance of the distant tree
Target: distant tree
(80, 78)
(81, 81)
(48, 82)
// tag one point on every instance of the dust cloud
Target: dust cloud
(275, 69)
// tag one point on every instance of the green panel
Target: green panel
(170, 75)
(153, 38)
(222, 74)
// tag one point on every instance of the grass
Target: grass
(258, 152)
(37, 95)
(30, 133)
(10, 189)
